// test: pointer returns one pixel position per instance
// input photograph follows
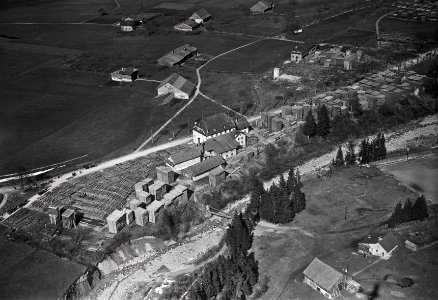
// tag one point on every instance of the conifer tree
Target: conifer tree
(291, 180)
(323, 125)
(407, 212)
(339, 161)
(350, 157)
(396, 217)
(364, 153)
(420, 209)
(309, 127)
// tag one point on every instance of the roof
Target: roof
(201, 14)
(223, 143)
(127, 22)
(216, 124)
(322, 274)
(126, 71)
(389, 241)
(179, 83)
(261, 6)
(217, 171)
(115, 215)
(180, 187)
(155, 205)
(178, 54)
(157, 185)
(68, 213)
(205, 165)
(185, 155)
(187, 23)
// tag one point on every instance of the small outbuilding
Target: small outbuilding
(125, 74)
(180, 87)
(187, 25)
(127, 24)
(200, 16)
(262, 7)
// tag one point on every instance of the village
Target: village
(96, 210)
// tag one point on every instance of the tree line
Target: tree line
(409, 212)
(370, 151)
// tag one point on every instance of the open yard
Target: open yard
(29, 274)
(340, 211)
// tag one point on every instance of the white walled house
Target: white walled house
(217, 125)
(125, 74)
(225, 145)
(377, 246)
(185, 158)
(127, 25)
(180, 87)
(200, 16)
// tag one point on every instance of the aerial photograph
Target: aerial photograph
(219, 149)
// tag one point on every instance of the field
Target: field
(355, 37)
(29, 274)
(409, 28)
(340, 211)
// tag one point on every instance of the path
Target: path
(218, 103)
(370, 265)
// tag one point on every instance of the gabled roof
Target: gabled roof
(200, 14)
(389, 241)
(262, 6)
(322, 274)
(205, 165)
(179, 83)
(242, 123)
(216, 124)
(126, 71)
(185, 155)
(222, 143)
(187, 23)
(127, 22)
(178, 54)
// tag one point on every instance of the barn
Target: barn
(178, 55)
(200, 16)
(187, 25)
(180, 87)
(261, 7)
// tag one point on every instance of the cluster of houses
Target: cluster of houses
(422, 12)
(198, 18)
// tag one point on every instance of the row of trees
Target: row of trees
(372, 150)
(409, 212)
(350, 156)
(321, 127)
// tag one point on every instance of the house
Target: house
(200, 170)
(125, 74)
(376, 245)
(217, 125)
(302, 51)
(116, 221)
(180, 87)
(184, 158)
(187, 25)
(69, 219)
(261, 7)
(200, 16)
(178, 55)
(127, 24)
(225, 145)
(325, 279)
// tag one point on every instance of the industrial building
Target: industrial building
(166, 174)
(178, 55)
(184, 158)
(200, 170)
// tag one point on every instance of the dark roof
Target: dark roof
(389, 241)
(322, 274)
(223, 143)
(242, 123)
(127, 22)
(217, 171)
(205, 166)
(179, 82)
(216, 124)
(177, 55)
(202, 14)
(185, 155)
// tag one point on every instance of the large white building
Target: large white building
(217, 125)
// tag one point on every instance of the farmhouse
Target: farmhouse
(225, 145)
(261, 7)
(187, 25)
(176, 85)
(178, 55)
(324, 278)
(184, 158)
(200, 16)
(377, 246)
(127, 24)
(200, 170)
(217, 125)
(125, 74)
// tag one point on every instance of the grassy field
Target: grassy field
(409, 28)
(355, 37)
(323, 230)
(26, 274)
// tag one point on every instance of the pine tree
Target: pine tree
(350, 157)
(323, 125)
(298, 178)
(396, 217)
(407, 212)
(309, 127)
(420, 209)
(365, 152)
(291, 180)
(382, 147)
(267, 206)
(339, 161)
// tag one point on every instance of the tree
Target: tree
(350, 157)
(343, 127)
(419, 209)
(396, 216)
(323, 125)
(291, 180)
(364, 152)
(309, 127)
(339, 161)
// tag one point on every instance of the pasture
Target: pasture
(339, 212)
(29, 274)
